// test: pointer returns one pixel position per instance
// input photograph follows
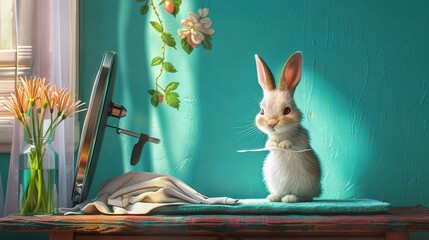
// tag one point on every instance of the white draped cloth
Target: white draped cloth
(140, 193)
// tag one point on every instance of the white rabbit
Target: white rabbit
(291, 169)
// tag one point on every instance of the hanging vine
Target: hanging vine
(196, 31)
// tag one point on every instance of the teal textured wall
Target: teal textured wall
(364, 93)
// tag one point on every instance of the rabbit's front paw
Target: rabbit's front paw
(290, 198)
(285, 144)
(271, 144)
(274, 197)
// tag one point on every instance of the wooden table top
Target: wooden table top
(396, 219)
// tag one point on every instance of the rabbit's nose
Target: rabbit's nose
(272, 122)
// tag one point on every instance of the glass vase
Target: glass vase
(38, 177)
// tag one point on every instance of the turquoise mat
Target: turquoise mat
(262, 206)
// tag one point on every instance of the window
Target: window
(12, 62)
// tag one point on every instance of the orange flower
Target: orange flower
(31, 98)
(32, 88)
(44, 98)
(72, 107)
(51, 94)
(17, 104)
(66, 104)
(13, 106)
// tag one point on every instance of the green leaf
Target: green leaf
(172, 99)
(144, 9)
(169, 67)
(157, 26)
(207, 42)
(168, 39)
(177, 4)
(151, 92)
(154, 100)
(156, 61)
(171, 86)
(186, 46)
(175, 11)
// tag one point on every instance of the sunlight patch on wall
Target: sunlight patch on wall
(340, 135)
(174, 127)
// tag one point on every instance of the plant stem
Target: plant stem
(52, 126)
(35, 199)
(42, 116)
(156, 13)
(33, 123)
(162, 48)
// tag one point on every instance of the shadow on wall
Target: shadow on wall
(95, 31)
(133, 74)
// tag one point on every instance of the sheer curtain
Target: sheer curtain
(54, 40)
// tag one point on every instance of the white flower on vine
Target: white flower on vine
(196, 27)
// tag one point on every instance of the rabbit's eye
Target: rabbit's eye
(287, 110)
(262, 112)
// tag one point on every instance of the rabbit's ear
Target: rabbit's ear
(265, 77)
(291, 73)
